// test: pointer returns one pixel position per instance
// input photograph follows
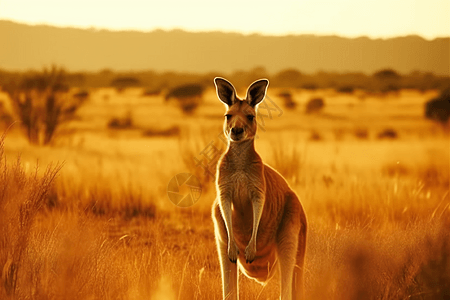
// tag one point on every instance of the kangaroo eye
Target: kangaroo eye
(228, 117)
(250, 117)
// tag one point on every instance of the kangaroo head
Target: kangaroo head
(240, 117)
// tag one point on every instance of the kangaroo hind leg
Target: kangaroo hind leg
(229, 270)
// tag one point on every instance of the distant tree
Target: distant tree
(121, 83)
(42, 102)
(185, 91)
(124, 122)
(288, 100)
(288, 78)
(314, 105)
(310, 86)
(386, 74)
(82, 95)
(438, 109)
(388, 133)
(388, 80)
(151, 92)
(346, 89)
(188, 96)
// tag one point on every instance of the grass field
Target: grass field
(94, 221)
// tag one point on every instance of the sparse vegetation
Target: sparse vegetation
(288, 100)
(388, 133)
(314, 105)
(361, 133)
(124, 122)
(121, 83)
(104, 228)
(152, 92)
(188, 97)
(438, 109)
(315, 136)
(346, 89)
(42, 103)
(171, 131)
(22, 197)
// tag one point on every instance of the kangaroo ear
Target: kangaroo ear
(257, 91)
(225, 91)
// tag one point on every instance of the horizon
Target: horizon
(168, 30)
(351, 18)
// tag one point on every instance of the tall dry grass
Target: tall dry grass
(102, 227)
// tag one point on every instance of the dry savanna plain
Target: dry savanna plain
(88, 216)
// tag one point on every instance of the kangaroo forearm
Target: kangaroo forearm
(225, 207)
(257, 205)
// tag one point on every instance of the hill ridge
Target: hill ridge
(77, 49)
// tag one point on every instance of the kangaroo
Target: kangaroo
(259, 222)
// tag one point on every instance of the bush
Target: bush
(289, 102)
(314, 105)
(172, 131)
(42, 103)
(388, 80)
(82, 95)
(185, 91)
(121, 83)
(438, 109)
(151, 92)
(388, 133)
(310, 86)
(315, 136)
(361, 133)
(188, 96)
(125, 122)
(346, 89)
(386, 74)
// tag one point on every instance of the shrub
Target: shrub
(310, 86)
(388, 133)
(82, 95)
(185, 91)
(125, 122)
(346, 89)
(388, 80)
(361, 133)
(42, 103)
(314, 105)
(386, 74)
(188, 96)
(151, 92)
(315, 136)
(438, 109)
(289, 102)
(121, 83)
(171, 131)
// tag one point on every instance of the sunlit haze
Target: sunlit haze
(349, 18)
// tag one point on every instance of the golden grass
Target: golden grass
(379, 211)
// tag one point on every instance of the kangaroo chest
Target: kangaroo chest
(242, 189)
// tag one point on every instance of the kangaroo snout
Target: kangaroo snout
(237, 130)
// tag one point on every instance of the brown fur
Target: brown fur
(259, 222)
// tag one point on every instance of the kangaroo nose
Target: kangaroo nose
(237, 130)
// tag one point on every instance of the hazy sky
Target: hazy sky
(373, 18)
